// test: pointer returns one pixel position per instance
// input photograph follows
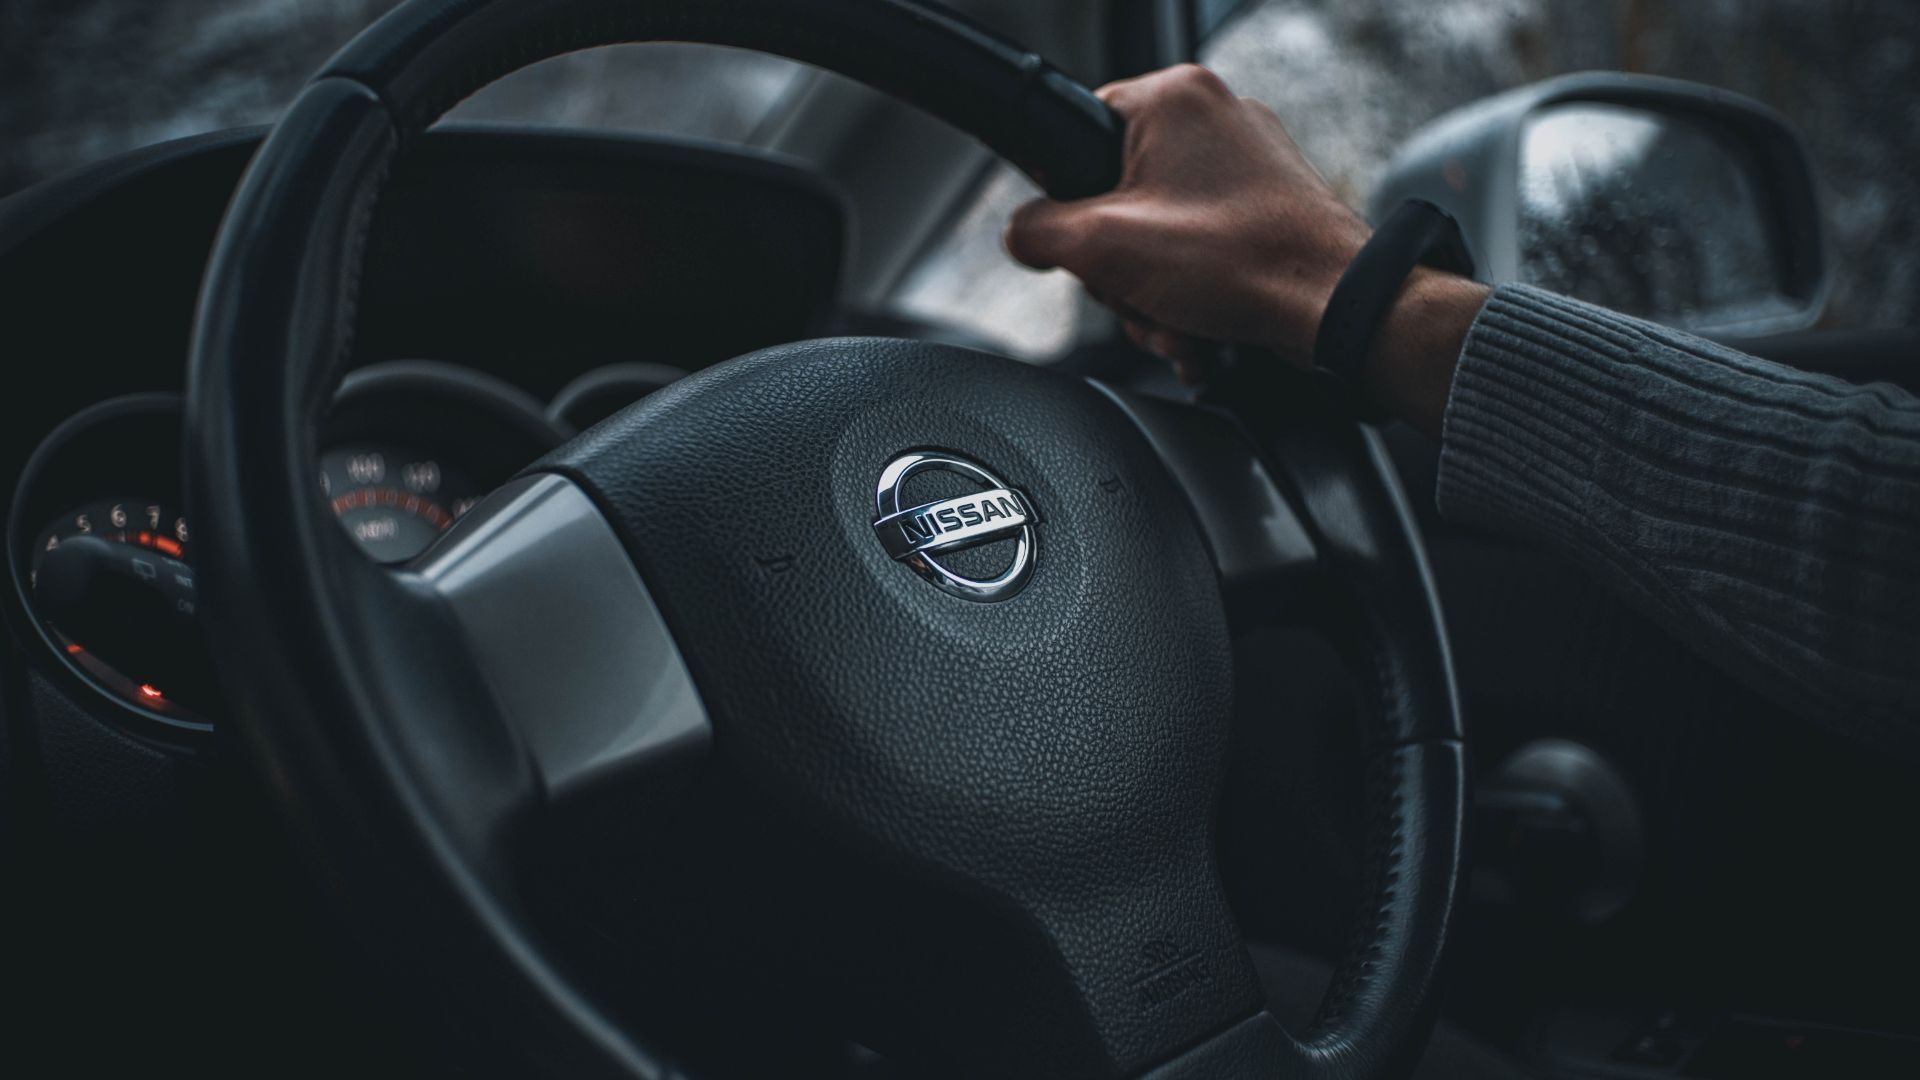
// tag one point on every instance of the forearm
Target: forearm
(1768, 516)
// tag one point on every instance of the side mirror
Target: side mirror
(1671, 201)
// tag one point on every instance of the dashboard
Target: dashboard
(554, 278)
(101, 543)
(521, 286)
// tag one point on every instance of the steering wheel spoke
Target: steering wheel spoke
(566, 637)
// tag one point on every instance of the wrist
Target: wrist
(1296, 288)
(1409, 366)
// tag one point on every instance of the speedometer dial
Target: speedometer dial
(412, 444)
(393, 499)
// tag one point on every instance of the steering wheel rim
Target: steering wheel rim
(416, 810)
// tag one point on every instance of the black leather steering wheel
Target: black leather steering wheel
(902, 666)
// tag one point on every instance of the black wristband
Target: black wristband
(1415, 232)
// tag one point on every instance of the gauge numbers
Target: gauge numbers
(394, 500)
(146, 523)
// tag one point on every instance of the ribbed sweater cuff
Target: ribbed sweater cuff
(1537, 378)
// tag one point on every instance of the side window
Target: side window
(1353, 79)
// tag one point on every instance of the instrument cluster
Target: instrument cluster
(100, 542)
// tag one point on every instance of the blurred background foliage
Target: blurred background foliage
(82, 79)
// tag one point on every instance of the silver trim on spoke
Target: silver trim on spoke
(566, 634)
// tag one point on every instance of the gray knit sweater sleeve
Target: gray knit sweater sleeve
(1767, 516)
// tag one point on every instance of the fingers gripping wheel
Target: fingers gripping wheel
(1018, 793)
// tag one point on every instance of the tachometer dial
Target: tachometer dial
(113, 582)
(142, 523)
(101, 556)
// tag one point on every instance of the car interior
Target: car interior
(594, 735)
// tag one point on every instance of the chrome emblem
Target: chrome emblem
(916, 535)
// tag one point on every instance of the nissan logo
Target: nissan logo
(916, 535)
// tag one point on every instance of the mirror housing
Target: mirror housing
(1667, 200)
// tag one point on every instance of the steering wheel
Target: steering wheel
(889, 677)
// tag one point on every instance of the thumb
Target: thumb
(1044, 234)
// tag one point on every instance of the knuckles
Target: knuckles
(1191, 85)
(1193, 78)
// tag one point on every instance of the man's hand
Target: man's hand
(1221, 230)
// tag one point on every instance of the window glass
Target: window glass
(81, 80)
(1353, 78)
(969, 281)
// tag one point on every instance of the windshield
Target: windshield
(81, 80)
(84, 79)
